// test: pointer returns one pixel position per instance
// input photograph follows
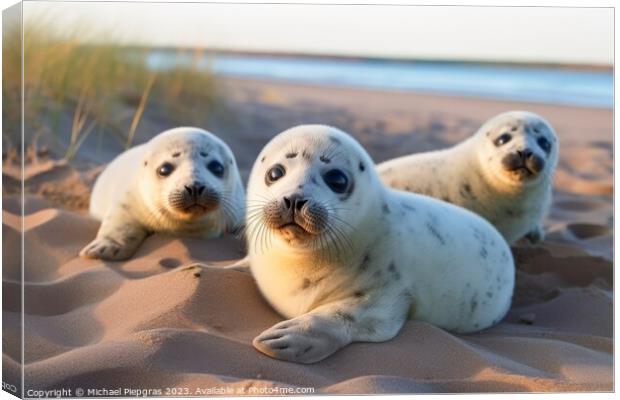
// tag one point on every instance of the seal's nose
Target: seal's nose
(294, 202)
(195, 190)
(525, 154)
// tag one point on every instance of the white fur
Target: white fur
(516, 208)
(397, 254)
(108, 187)
(131, 199)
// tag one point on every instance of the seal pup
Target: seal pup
(183, 181)
(504, 173)
(346, 259)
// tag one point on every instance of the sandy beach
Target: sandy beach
(158, 321)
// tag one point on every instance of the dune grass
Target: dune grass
(102, 87)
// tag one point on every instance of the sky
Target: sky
(506, 34)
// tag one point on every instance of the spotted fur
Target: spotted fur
(380, 255)
(133, 202)
(494, 181)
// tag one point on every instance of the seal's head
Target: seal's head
(519, 148)
(310, 189)
(186, 174)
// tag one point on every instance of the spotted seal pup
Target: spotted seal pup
(346, 259)
(183, 182)
(504, 172)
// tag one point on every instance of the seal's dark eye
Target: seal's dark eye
(165, 169)
(216, 168)
(503, 139)
(336, 180)
(274, 173)
(544, 144)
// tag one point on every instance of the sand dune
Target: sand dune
(171, 317)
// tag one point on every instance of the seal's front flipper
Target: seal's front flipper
(115, 241)
(305, 339)
(107, 248)
(314, 336)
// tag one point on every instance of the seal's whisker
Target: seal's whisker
(342, 237)
(255, 229)
(250, 196)
(254, 216)
(335, 248)
(230, 216)
(331, 207)
(335, 240)
(263, 239)
(342, 221)
(256, 207)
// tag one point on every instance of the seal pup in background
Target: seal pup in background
(346, 259)
(504, 172)
(184, 182)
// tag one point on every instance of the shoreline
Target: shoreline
(214, 51)
(433, 94)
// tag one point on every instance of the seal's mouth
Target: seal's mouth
(522, 172)
(192, 205)
(308, 226)
(296, 233)
(523, 166)
(304, 222)
(293, 229)
(195, 209)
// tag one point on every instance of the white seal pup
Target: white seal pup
(346, 259)
(183, 181)
(504, 172)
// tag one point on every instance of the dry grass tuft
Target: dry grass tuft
(104, 87)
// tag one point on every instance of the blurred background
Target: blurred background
(94, 69)
(101, 77)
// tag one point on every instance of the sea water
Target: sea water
(552, 85)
